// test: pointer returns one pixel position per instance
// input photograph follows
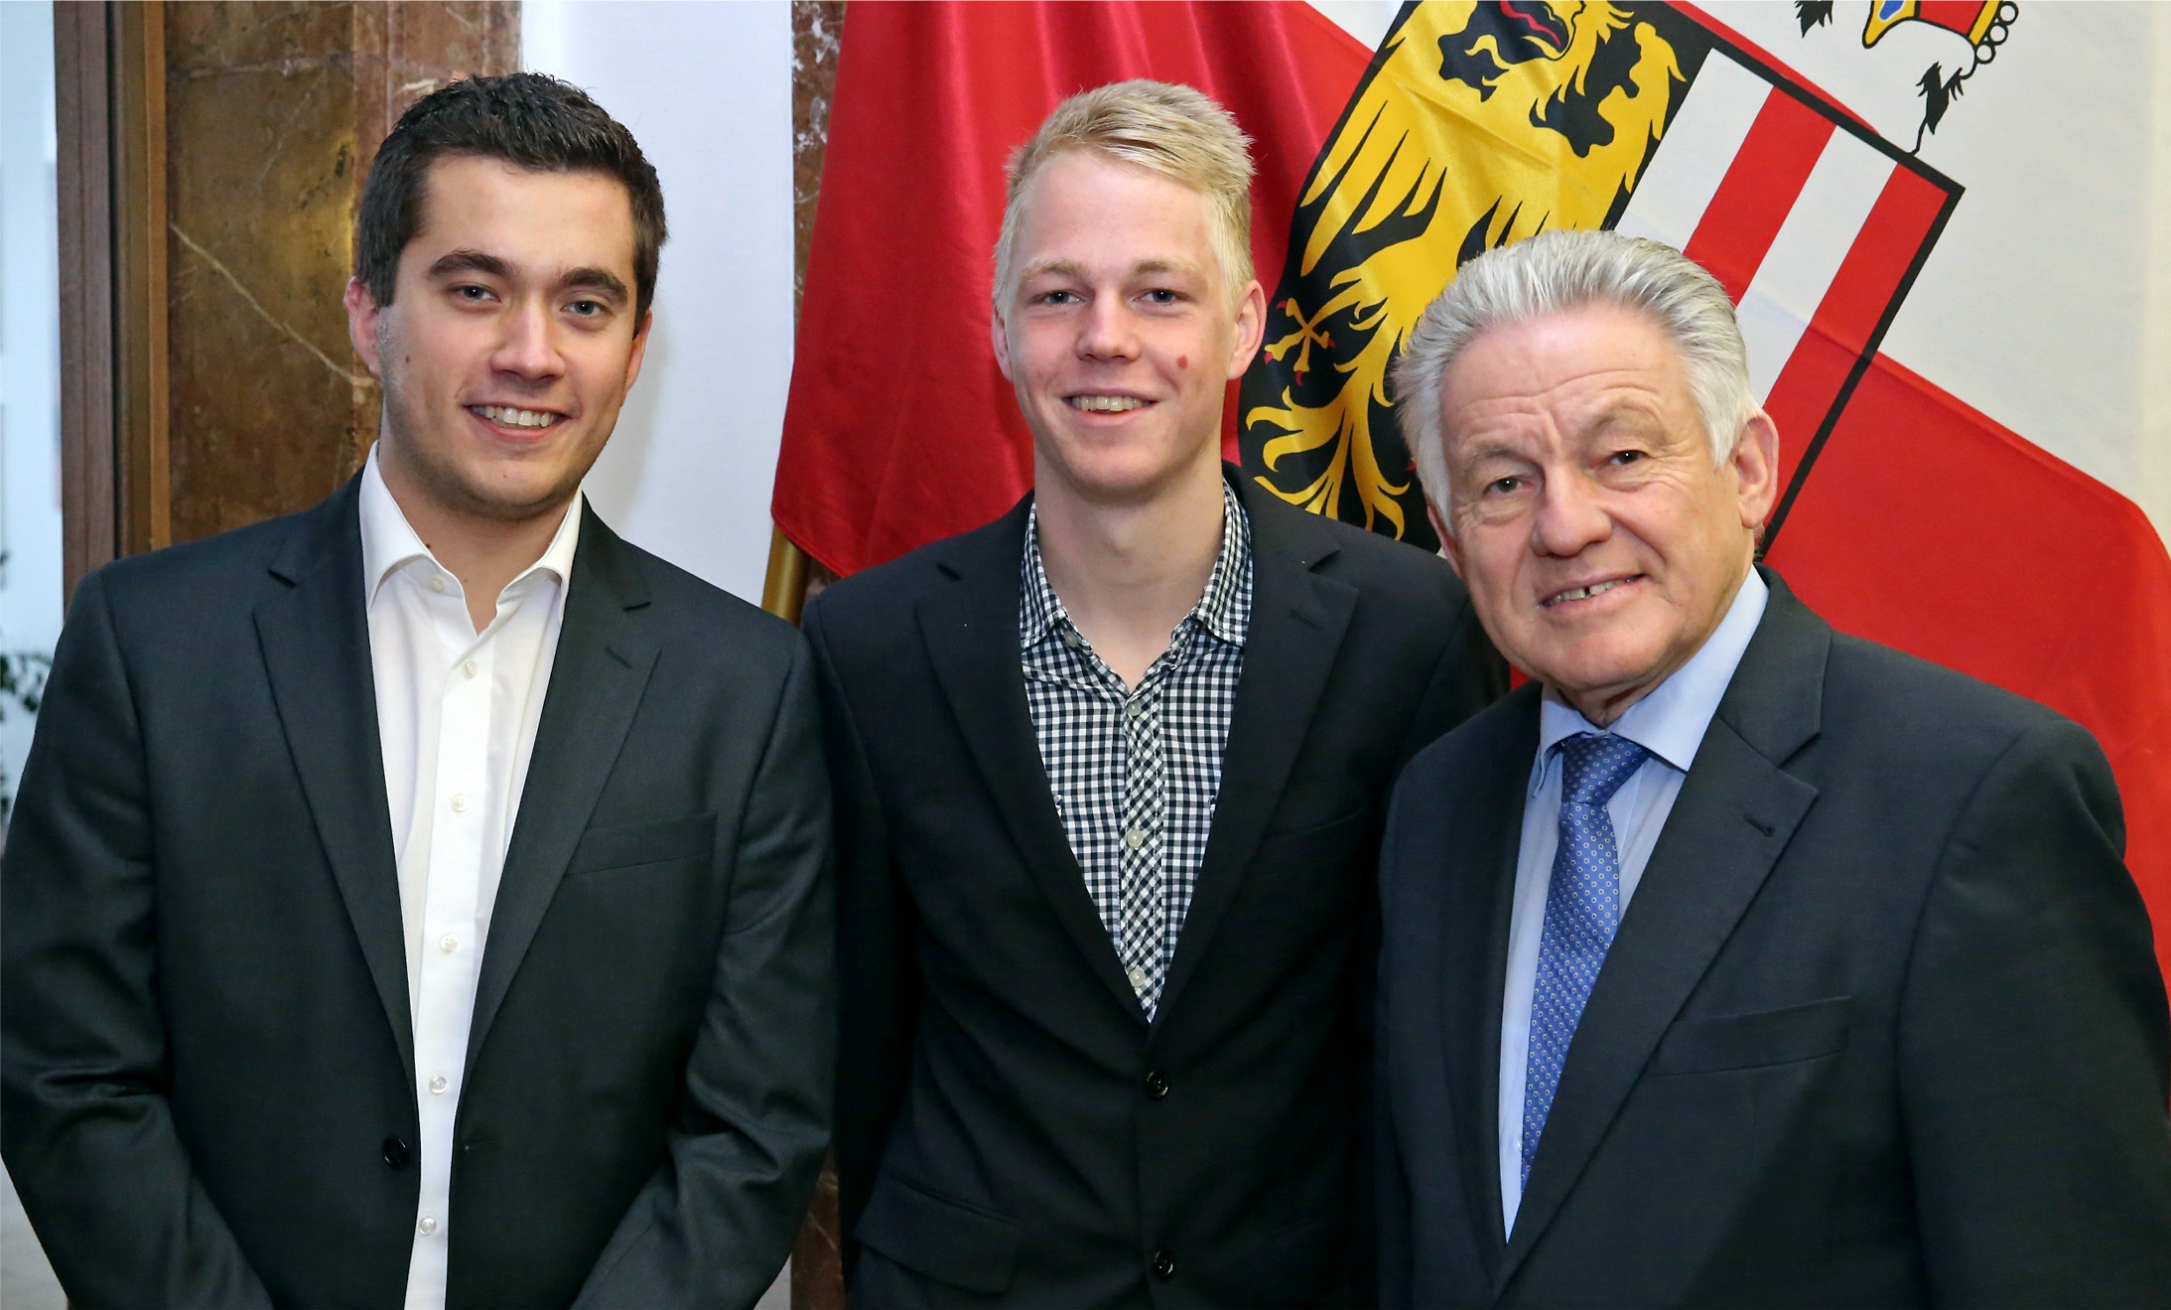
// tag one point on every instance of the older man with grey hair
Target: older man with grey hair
(1732, 961)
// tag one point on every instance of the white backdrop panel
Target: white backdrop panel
(706, 88)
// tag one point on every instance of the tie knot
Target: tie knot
(1594, 765)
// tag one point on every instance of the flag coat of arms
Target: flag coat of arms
(1909, 517)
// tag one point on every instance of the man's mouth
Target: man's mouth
(1587, 591)
(507, 416)
(1093, 404)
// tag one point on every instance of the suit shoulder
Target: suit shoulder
(707, 615)
(887, 592)
(1872, 688)
(236, 553)
(1480, 742)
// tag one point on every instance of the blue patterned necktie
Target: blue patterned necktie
(1582, 908)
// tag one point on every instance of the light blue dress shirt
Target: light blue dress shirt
(1669, 723)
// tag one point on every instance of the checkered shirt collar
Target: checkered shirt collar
(1224, 610)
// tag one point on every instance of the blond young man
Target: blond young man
(1109, 776)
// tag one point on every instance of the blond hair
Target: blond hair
(1176, 131)
(1555, 272)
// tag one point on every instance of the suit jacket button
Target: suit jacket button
(1156, 1084)
(1164, 1265)
(396, 1153)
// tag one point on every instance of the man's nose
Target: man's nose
(529, 348)
(1108, 332)
(1571, 515)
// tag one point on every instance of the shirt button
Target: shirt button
(459, 802)
(437, 583)
(439, 1084)
(1133, 708)
(448, 943)
(428, 1225)
(470, 668)
(1135, 838)
(1137, 976)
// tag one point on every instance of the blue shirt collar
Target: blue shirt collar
(1670, 722)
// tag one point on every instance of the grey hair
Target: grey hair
(1562, 270)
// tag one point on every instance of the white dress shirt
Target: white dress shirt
(1670, 724)
(456, 712)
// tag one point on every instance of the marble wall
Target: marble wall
(274, 110)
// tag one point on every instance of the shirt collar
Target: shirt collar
(1670, 722)
(1223, 610)
(389, 541)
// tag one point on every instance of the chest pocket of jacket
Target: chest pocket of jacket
(1749, 1041)
(630, 846)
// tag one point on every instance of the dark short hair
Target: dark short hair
(529, 119)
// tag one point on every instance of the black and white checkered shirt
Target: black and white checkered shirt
(1136, 773)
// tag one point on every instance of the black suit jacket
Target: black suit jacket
(1882, 1025)
(207, 1064)
(1010, 1128)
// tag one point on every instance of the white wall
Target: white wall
(706, 89)
(30, 600)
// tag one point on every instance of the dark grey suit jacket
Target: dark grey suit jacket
(1882, 1026)
(1010, 1128)
(205, 1046)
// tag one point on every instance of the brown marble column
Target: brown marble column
(273, 111)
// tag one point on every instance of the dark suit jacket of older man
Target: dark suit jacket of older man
(1011, 1129)
(1882, 1025)
(208, 1067)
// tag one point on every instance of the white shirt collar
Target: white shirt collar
(1670, 722)
(390, 541)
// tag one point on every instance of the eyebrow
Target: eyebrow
(478, 261)
(468, 261)
(1071, 268)
(595, 279)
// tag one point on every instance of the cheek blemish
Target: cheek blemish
(1183, 361)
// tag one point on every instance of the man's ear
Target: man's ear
(362, 314)
(640, 348)
(1250, 327)
(999, 338)
(1450, 551)
(1755, 462)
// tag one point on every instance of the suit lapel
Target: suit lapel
(315, 640)
(1736, 811)
(971, 631)
(604, 657)
(1297, 622)
(1480, 857)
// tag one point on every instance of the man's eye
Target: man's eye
(1502, 486)
(471, 293)
(1058, 297)
(1163, 296)
(1627, 456)
(585, 308)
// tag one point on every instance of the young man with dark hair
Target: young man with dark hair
(423, 899)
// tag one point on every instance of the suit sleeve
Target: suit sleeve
(2035, 1049)
(878, 963)
(88, 1134)
(714, 1224)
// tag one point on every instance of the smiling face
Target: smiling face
(1119, 337)
(1600, 545)
(510, 341)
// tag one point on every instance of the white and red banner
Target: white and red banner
(1824, 161)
